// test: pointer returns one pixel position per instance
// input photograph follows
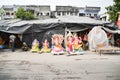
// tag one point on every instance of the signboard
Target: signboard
(118, 20)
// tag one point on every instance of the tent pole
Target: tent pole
(65, 39)
(32, 32)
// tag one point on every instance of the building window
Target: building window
(71, 13)
(7, 13)
(76, 14)
(81, 14)
(41, 14)
(63, 13)
(58, 13)
(47, 14)
(89, 14)
(12, 13)
(67, 13)
(38, 14)
(95, 15)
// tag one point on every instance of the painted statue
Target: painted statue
(57, 41)
(70, 44)
(25, 47)
(77, 44)
(74, 43)
(35, 46)
(97, 38)
(45, 47)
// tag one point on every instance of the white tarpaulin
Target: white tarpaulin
(97, 38)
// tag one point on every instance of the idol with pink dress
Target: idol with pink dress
(57, 41)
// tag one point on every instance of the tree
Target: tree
(20, 13)
(28, 15)
(24, 15)
(113, 10)
(2, 13)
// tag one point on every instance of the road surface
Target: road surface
(20, 65)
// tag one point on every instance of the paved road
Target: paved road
(32, 66)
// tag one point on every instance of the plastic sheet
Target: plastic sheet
(97, 38)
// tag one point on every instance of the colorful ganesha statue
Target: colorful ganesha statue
(70, 44)
(35, 46)
(57, 43)
(77, 44)
(45, 47)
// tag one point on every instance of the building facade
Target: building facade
(81, 11)
(66, 11)
(45, 11)
(37, 10)
(77, 11)
(9, 11)
(91, 11)
(104, 17)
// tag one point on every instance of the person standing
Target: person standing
(12, 40)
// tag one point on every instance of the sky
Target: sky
(53, 3)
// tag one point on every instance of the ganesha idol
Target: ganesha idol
(35, 46)
(57, 44)
(77, 44)
(97, 38)
(74, 44)
(45, 47)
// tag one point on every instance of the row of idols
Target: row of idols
(73, 44)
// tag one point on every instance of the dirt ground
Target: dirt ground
(20, 65)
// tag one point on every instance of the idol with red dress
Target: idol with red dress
(74, 43)
(77, 43)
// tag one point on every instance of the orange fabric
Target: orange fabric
(118, 22)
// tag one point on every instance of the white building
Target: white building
(9, 11)
(77, 11)
(92, 11)
(104, 17)
(45, 11)
(66, 11)
(81, 11)
(37, 10)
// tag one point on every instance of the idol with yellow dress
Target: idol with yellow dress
(35, 46)
(45, 47)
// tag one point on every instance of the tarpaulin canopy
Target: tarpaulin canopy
(42, 29)
(21, 26)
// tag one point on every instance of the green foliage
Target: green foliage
(2, 13)
(24, 15)
(113, 10)
(28, 15)
(20, 13)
